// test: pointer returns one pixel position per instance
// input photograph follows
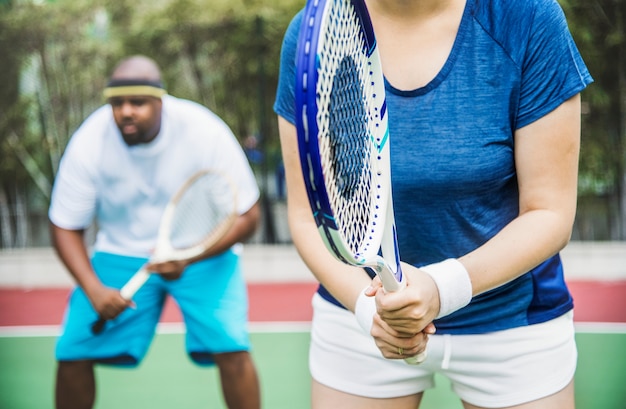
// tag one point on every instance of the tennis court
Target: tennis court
(280, 314)
(167, 379)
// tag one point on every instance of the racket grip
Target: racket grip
(391, 284)
(98, 326)
(127, 292)
(388, 277)
(135, 283)
(417, 359)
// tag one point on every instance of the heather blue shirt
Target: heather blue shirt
(452, 141)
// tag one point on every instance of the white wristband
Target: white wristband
(453, 283)
(364, 311)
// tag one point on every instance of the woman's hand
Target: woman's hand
(404, 318)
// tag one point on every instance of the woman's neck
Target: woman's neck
(412, 10)
(414, 37)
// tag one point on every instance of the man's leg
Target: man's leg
(75, 385)
(240, 383)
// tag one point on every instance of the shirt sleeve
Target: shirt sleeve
(552, 67)
(231, 159)
(73, 201)
(284, 104)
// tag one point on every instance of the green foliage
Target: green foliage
(58, 54)
(598, 28)
(225, 54)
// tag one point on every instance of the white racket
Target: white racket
(196, 217)
(343, 138)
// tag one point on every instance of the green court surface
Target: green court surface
(167, 379)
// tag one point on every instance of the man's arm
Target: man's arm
(71, 249)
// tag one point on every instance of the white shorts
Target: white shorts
(498, 369)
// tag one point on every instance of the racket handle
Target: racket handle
(127, 292)
(98, 326)
(417, 359)
(391, 284)
(387, 276)
(134, 284)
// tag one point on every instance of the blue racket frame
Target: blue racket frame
(307, 66)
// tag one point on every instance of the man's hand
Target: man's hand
(169, 270)
(108, 302)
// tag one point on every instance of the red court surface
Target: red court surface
(288, 302)
(595, 301)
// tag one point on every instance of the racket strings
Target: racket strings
(201, 209)
(348, 136)
(346, 113)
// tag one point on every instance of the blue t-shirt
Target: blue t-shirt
(453, 171)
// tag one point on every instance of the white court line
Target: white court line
(162, 328)
(600, 327)
(29, 331)
(255, 327)
(273, 327)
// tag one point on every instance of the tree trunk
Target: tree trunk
(5, 221)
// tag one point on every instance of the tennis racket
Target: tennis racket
(343, 138)
(196, 217)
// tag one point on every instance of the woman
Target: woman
(484, 114)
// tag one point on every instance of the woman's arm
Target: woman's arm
(546, 160)
(342, 281)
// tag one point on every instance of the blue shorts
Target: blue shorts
(211, 295)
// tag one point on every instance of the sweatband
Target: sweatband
(453, 283)
(120, 88)
(364, 310)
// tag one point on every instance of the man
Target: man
(120, 168)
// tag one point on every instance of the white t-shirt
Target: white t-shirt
(125, 189)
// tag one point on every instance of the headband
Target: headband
(120, 88)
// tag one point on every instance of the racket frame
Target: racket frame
(381, 209)
(164, 251)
